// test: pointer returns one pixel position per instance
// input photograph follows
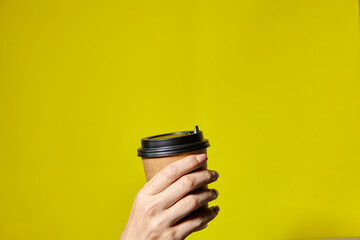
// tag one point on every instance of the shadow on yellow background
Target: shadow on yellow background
(274, 85)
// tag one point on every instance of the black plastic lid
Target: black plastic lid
(172, 143)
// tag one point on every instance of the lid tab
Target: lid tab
(196, 130)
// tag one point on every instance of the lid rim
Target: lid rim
(172, 148)
(180, 146)
(145, 154)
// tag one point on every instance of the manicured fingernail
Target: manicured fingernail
(201, 158)
(215, 174)
(216, 192)
(216, 209)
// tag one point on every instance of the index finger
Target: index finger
(173, 171)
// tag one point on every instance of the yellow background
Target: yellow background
(274, 85)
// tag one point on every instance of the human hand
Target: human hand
(168, 206)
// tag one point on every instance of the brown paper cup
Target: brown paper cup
(153, 165)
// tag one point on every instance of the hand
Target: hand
(164, 207)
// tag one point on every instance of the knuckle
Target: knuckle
(192, 201)
(152, 235)
(187, 183)
(150, 209)
(139, 196)
(170, 235)
(198, 222)
(157, 224)
(171, 172)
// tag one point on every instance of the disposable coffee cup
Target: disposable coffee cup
(160, 150)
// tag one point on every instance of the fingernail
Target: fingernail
(203, 227)
(201, 158)
(216, 192)
(216, 209)
(215, 174)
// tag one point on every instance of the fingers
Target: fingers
(186, 184)
(195, 221)
(189, 203)
(173, 171)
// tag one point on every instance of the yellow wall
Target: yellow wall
(274, 85)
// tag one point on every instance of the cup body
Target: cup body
(153, 165)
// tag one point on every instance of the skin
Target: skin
(168, 206)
